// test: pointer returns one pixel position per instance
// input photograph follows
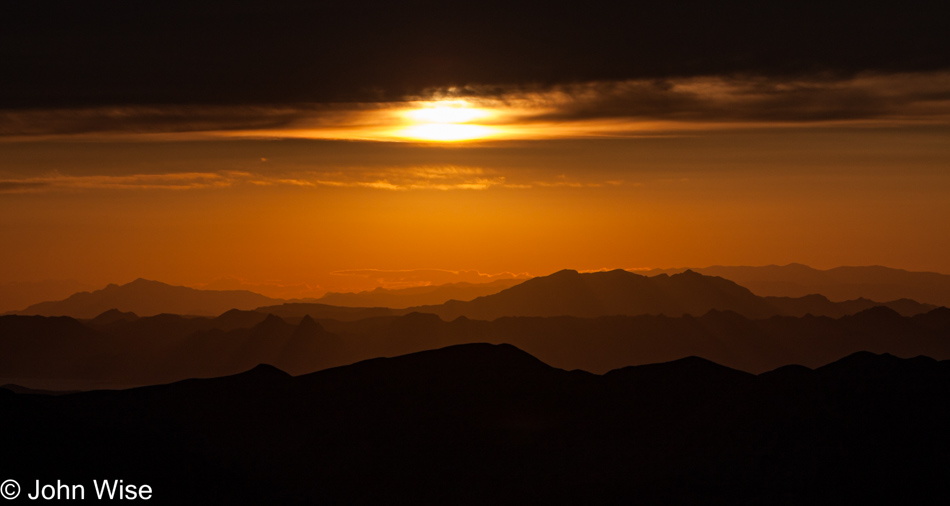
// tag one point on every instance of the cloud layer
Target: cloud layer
(603, 108)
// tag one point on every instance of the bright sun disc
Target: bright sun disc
(446, 121)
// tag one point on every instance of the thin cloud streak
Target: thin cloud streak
(173, 181)
(395, 179)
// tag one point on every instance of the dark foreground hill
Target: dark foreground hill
(482, 424)
(122, 350)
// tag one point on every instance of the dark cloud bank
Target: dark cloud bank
(93, 54)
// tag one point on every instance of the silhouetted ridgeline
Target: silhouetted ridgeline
(121, 350)
(482, 424)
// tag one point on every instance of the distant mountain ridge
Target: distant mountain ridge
(18, 295)
(840, 283)
(620, 292)
(819, 305)
(146, 298)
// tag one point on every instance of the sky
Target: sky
(296, 148)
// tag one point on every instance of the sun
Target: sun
(446, 121)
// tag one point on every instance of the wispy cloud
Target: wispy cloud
(14, 186)
(172, 181)
(412, 178)
(563, 181)
(436, 178)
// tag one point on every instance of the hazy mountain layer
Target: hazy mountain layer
(147, 298)
(18, 295)
(563, 293)
(300, 309)
(416, 296)
(63, 353)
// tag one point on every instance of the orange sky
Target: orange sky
(112, 204)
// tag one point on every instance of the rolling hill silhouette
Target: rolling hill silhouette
(484, 424)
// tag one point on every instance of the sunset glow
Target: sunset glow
(307, 252)
(284, 175)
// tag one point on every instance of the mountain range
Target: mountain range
(788, 290)
(594, 321)
(575, 388)
(490, 424)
